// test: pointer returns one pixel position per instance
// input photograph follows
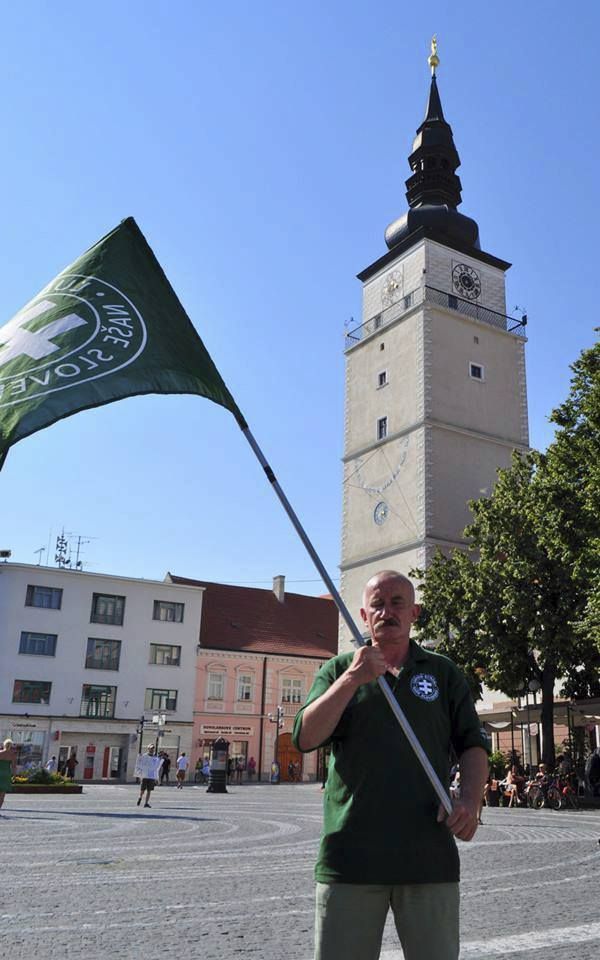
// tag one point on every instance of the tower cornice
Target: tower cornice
(428, 233)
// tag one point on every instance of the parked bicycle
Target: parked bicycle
(555, 792)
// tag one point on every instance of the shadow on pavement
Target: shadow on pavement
(112, 816)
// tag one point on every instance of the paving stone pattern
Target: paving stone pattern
(222, 877)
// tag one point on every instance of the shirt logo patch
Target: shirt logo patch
(424, 686)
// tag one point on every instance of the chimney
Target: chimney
(279, 588)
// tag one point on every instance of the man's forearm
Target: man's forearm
(474, 769)
(322, 716)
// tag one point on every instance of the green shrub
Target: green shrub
(39, 776)
(498, 764)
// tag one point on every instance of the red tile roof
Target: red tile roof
(246, 618)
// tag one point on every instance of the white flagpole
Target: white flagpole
(357, 637)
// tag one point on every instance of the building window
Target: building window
(38, 644)
(216, 686)
(244, 686)
(98, 701)
(382, 378)
(103, 654)
(48, 597)
(107, 609)
(408, 301)
(291, 690)
(382, 428)
(476, 371)
(160, 699)
(168, 612)
(452, 301)
(377, 321)
(165, 655)
(31, 691)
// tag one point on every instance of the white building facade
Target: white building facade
(85, 656)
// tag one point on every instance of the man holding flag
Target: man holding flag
(385, 841)
(111, 326)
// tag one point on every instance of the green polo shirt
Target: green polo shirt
(380, 808)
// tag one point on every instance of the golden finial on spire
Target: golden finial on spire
(433, 60)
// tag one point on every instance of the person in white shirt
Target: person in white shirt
(52, 765)
(183, 763)
(147, 768)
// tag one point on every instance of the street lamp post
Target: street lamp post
(278, 719)
(159, 719)
(140, 730)
(533, 686)
(512, 736)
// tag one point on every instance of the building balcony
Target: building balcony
(440, 298)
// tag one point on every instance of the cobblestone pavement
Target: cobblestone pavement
(221, 877)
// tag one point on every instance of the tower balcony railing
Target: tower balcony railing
(427, 294)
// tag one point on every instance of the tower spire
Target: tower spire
(433, 190)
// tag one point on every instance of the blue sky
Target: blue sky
(262, 149)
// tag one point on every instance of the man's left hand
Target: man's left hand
(462, 821)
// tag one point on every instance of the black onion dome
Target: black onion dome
(433, 190)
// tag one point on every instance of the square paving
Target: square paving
(220, 877)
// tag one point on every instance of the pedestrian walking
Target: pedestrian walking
(251, 768)
(183, 763)
(70, 765)
(386, 842)
(147, 768)
(52, 765)
(164, 770)
(8, 761)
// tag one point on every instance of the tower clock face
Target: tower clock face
(381, 512)
(466, 281)
(391, 289)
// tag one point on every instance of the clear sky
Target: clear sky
(262, 149)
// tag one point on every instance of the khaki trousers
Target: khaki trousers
(350, 918)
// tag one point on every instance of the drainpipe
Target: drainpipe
(262, 718)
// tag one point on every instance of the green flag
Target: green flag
(109, 326)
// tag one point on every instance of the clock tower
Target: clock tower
(435, 376)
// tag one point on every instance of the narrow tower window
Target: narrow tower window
(476, 371)
(382, 378)
(382, 428)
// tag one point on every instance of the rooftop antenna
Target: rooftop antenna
(39, 553)
(81, 543)
(62, 545)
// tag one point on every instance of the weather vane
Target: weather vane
(433, 60)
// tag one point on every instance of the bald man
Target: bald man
(386, 842)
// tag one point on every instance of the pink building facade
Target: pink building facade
(257, 656)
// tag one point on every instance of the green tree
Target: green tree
(522, 603)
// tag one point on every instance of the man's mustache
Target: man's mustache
(389, 622)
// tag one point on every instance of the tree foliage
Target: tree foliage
(522, 603)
